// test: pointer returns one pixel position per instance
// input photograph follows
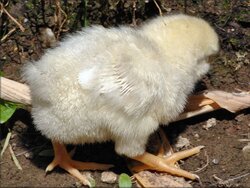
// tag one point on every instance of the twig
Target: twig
(221, 181)
(219, 27)
(217, 178)
(11, 17)
(14, 158)
(159, 9)
(6, 143)
(8, 34)
(58, 17)
(24, 152)
(85, 24)
(167, 9)
(185, 6)
(244, 140)
(238, 177)
(134, 10)
(200, 169)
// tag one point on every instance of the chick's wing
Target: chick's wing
(118, 86)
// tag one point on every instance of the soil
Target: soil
(222, 158)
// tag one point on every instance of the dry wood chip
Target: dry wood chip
(150, 179)
(232, 102)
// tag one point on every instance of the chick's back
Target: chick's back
(112, 84)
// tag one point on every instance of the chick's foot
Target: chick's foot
(63, 159)
(167, 164)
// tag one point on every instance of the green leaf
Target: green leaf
(1, 73)
(7, 109)
(124, 180)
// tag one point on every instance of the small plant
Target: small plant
(7, 109)
(85, 21)
(125, 181)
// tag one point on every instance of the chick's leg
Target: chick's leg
(63, 159)
(167, 164)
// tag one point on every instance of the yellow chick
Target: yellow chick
(119, 84)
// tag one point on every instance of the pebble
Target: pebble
(108, 177)
(47, 37)
(210, 123)
(196, 135)
(25, 20)
(240, 117)
(215, 161)
(28, 155)
(78, 184)
(182, 142)
(246, 151)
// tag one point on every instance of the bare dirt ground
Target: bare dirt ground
(222, 158)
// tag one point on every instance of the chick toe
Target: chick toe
(172, 159)
(159, 163)
(63, 159)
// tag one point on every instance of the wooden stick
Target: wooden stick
(20, 93)
(198, 104)
(14, 91)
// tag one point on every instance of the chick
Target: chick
(119, 84)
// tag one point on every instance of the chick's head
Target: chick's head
(187, 41)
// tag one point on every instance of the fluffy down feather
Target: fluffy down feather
(119, 84)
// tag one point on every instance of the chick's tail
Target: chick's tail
(37, 81)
